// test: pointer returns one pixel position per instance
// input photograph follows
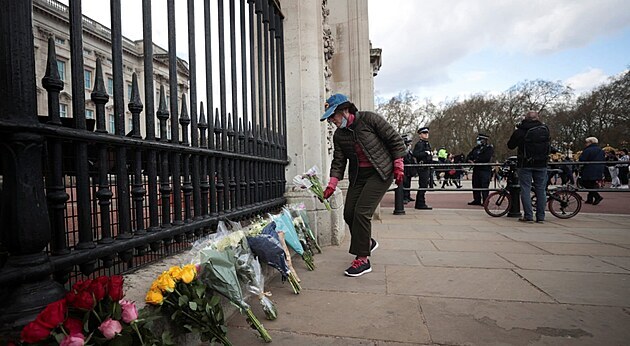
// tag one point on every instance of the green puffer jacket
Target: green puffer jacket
(379, 141)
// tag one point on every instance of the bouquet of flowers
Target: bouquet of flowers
(284, 223)
(220, 267)
(300, 222)
(250, 273)
(310, 180)
(182, 297)
(93, 312)
(265, 244)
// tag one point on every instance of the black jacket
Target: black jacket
(518, 140)
(420, 153)
(481, 154)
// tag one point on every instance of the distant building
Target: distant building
(50, 19)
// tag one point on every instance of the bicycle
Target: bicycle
(562, 202)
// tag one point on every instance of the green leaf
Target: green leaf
(200, 290)
(59, 337)
(215, 300)
(183, 300)
(193, 306)
(167, 338)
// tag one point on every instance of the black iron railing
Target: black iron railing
(80, 201)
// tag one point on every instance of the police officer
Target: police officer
(482, 153)
(422, 153)
(410, 172)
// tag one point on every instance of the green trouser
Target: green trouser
(361, 201)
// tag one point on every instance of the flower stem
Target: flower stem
(217, 334)
(251, 318)
(97, 316)
(135, 327)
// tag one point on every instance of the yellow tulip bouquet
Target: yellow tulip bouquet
(182, 297)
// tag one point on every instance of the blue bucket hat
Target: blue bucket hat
(331, 105)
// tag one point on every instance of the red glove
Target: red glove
(330, 189)
(399, 171)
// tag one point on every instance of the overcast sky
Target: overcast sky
(443, 49)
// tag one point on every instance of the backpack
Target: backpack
(537, 145)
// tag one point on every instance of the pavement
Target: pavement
(460, 277)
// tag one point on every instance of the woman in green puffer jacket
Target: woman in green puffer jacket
(375, 152)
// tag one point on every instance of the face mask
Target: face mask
(478, 142)
(344, 123)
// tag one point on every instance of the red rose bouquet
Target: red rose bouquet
(93, 312)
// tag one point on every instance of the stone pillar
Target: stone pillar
(352, 72)
(306, 135)
(351, 68)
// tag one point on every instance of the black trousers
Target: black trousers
(423, 181)
(361, 201)
(591, 184)
(480, 179)
(407, 185)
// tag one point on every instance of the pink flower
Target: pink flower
(110, 328)
(129, 311)
(73, 340)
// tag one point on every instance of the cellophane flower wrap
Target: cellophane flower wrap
(264, 242)
(180, 296)
(300, 222)
(250, 274)
(310, 181)
(284, 223)
(93, 312)
(218, 263)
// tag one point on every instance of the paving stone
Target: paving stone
(623, 262)
(547, 237)
(410, 233)
(329, 276)
(582, 288)
(501, 284)
(402, 257)
(348, 315)
(485, 246)
(463, 259)
(472, 235)
(615, 237)
(562, 263)
(476, 322)
(405, 244)
(583, 249)
(248, 336)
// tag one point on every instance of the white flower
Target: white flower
(313, 171)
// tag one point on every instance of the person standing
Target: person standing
(623, 168)
(592, 173)
(410, 172)
(533, 141)
(481, 153)
(375, 152)
(423, 154)
(613, 170)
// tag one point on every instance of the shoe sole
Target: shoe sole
(375, 246)
(358, 274)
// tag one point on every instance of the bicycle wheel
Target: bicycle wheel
(498, 203)
(564, 204)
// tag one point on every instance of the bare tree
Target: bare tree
(404, 112)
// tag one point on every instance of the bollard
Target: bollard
(399, 205)
(514, 188)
